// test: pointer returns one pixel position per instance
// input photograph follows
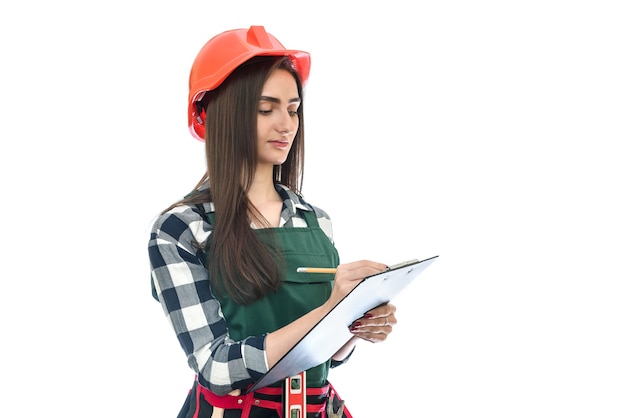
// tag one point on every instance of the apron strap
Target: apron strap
(310, 217)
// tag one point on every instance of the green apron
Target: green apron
(300, 292)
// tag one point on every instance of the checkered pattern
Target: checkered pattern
(182, 286)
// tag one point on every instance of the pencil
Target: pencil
(316, 270)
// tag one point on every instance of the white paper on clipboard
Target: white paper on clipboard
(331, 332)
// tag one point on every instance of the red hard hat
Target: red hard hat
(225, 52)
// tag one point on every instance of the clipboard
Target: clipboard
(331, 332)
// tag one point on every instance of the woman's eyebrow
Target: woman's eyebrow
(275, 100)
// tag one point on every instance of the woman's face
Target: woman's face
(277, 121)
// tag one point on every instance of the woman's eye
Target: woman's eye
(265, 111)
(293, 112)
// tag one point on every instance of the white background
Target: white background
(490, 133)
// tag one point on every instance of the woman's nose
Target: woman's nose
(286, 125)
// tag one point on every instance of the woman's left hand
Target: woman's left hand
(376, 324)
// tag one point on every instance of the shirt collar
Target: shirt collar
(291, 201)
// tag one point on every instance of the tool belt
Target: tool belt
(271, 398)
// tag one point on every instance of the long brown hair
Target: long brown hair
(239, 262)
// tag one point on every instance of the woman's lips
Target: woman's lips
(280, 144)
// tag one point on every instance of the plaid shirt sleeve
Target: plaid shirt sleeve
(182, 286)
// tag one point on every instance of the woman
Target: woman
(224, 258)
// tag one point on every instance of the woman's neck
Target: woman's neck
(263, 195)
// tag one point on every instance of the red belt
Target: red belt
(247, 401)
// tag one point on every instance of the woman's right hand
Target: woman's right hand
(351, 274)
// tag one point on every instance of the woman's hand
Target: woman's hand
(374, 327)
(376, 324)
(351, 274)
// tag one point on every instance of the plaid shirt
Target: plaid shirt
(182, 286)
